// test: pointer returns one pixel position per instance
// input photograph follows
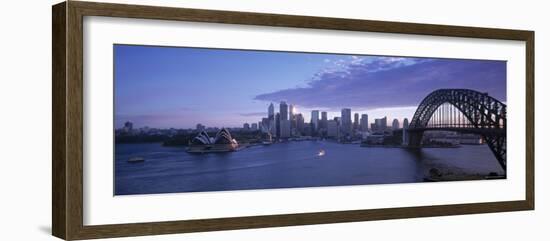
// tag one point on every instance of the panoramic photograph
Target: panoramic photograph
(190, 119)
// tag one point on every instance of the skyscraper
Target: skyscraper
(364, 122)
(271, 120)
(324, 120)
(346, 121)
(300, 125)
(292, 118)
(285, 129)
(380, 124)
(315, 120)
(271, 112)
(278, 124)
(405, 123)
(395, 124)
(264, 126)
(332, 128)
(356, 121)
(283, 110)
(273, 128)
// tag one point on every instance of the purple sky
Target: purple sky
(394, 82)
(180, 87)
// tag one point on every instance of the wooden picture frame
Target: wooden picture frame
(67, 152)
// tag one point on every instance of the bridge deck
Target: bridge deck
(481, 131)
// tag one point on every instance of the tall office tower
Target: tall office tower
(271, 112)
(315, 120)
(264, 125)
(332, 128)
(405, 123)
(292, 118)
(356, 122)
(364, 122)
(395, 124)
(272, 127)
(254, 126)
(300, 125)
(373, 126)
(283, 110)
(246, 126)
(324, 120)
(278, 124)
(285, 129)
(346, 121)
(381, 124)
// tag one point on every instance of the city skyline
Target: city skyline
(362, 122)
(165, 87)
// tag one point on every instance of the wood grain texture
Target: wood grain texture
(530, 120)
(74, 120)
(67, 180)
(59, 127)
(155, 228)
(279, 20)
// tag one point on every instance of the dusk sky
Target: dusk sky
(167, 87)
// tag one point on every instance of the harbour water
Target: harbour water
(288, 165)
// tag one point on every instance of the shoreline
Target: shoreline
(406, 147)
(247, 145)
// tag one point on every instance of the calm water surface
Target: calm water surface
(286, 165)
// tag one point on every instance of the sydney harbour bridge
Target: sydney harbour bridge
(463, 111)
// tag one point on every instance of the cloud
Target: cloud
(380, 82)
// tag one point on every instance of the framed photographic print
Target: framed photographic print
(171, 120)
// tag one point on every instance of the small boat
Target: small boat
(321, 153)
(136, 159)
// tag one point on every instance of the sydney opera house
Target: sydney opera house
(203, 143)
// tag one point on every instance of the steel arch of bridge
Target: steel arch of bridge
(485, 114)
